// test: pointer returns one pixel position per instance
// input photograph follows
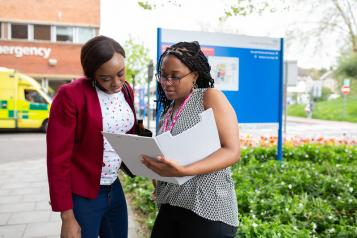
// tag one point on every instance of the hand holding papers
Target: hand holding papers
(184, 148)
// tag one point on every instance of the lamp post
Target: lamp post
(150, 75)
(133, 77)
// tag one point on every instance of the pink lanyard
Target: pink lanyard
(176, 116)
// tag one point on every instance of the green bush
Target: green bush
(140, 191)
(313, 193)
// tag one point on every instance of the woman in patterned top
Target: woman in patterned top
(82, 166)
(206, 205)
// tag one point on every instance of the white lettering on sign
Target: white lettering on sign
(20, 51)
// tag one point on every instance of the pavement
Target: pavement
(24, 207)
(303, 127)
(318, 121)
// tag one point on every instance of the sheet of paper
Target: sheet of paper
(130, 149)
(194, 144)
(189, 146)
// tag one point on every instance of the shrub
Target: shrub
(312, 193)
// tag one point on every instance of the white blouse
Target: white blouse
(117, 118)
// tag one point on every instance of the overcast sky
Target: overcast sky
(122, 19)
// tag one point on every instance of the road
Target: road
(305, 128)
(22, 146)
(32, 146)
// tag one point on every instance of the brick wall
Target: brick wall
(67, 56)
(72, 12)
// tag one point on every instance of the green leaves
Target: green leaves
(313, 193)
(136, 61)
(145, 5)
(347, 67)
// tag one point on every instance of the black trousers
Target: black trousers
(177, 222)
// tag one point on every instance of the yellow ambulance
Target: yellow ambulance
(23, 103)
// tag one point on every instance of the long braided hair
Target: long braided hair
(191, 55)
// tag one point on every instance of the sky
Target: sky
(122, 20)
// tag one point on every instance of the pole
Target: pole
(279, 154)
(344, 106)
(133, 76)
(150, 75)
(158, 54)
(285, 94)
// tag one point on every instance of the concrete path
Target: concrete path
(24, 208)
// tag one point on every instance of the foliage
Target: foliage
(347, 67)
(325, 93)
(154, 4)
(136, 61)
(248, 7)
(326, 19)
(140, 190)
(145, 5)
(313, 193)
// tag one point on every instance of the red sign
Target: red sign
(345, 89)
(206, 50)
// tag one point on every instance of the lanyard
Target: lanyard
(176, 116)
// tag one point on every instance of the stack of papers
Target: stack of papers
(190, 146)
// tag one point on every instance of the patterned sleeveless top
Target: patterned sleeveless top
(211, 196)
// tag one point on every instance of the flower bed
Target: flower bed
(312, 193)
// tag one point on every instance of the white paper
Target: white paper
(185, 148)
(130, 149)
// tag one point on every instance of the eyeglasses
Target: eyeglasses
(173, 80)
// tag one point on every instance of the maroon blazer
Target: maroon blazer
(75, 142)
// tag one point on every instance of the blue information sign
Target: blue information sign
(248, 70)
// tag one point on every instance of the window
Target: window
(84, 34)
(42, 32)
(19, 31)
(64, 34)
(33, 96)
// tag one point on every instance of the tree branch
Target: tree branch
(347, 23)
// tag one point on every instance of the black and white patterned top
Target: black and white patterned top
(211, 196)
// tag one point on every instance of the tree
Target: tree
(153, 4)
(344, 11)
(136, 61)
(328, 16)
(248, 7)
(335, 15)
(347, 67)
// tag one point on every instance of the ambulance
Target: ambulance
(23, 103)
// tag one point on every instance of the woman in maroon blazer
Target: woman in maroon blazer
(82, 166)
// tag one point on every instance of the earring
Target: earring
(194, 85)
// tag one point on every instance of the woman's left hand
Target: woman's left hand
(164, 167)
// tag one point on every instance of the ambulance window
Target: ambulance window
(34, 97)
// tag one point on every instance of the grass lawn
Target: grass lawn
(331, 110)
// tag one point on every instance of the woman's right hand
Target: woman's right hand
(70, 227)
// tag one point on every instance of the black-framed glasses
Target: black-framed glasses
(164, 79)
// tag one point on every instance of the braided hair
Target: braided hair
(191, 55)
